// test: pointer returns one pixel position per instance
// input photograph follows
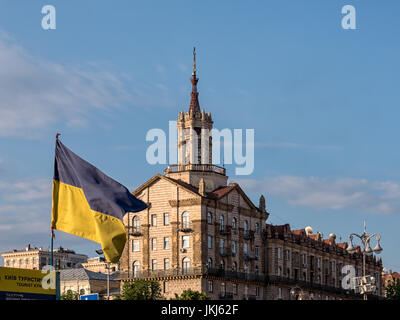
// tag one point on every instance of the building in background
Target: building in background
(86, 282)
(99, 264)
(304, 259)
(36, 258)
(202, 233)
(389, 278)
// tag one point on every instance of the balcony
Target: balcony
(160, 273)
(250, 256)
(195, 167)
(225, 230)
(248, 234)
(192, 271)
(186, 227)
(136, 232)
(225, 252)
(249, 297)
(226, 296)
(309, 285)
(234, 275)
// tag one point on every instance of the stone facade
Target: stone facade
(98, 264)
(299, 257)
(202, 233)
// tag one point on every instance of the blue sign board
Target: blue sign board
(94, 296)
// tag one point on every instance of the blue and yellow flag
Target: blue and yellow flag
(89, 204)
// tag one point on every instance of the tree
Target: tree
(141, 290)
(70, 295)
(189, 294)
(393, 291)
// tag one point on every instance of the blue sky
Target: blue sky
(323, 102)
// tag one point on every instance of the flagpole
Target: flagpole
(51, 247)
(52, 230)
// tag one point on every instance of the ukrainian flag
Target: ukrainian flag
(89, 204)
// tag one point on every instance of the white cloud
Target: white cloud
(359, 195)
(28, 190)
(25, 211)
(36, 93)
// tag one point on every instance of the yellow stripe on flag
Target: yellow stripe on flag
(71, 213)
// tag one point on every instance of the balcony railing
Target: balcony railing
(250, 256)
(248, 234)
(195, 167)
(135, 232)
(226, 295)
(235, 275)
(193, 271)
(186, 227)
(160, 273)
(249, 297)
(308, 285)
(225, 230)
(224, 252)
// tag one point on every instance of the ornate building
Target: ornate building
(202, 233)
(302, 258)
(36, 258)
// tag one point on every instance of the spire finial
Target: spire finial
(194, 100)
(194, 61)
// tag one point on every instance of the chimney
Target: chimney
(28, 247)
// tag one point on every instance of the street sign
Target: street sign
(27, 284)
(93, 296)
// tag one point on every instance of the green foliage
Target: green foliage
(189, 294)
(141, 290)
(70, 295)
(393, 291)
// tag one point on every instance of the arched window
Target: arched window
(185, 219)
(257, 228)
(209, 263)
(136, 224)
(221, 223)
(246, 268)
(222, 264)
(209, 217)
(185, 265)
(279, 271)
(234, 223)
(245, 248)
(234, 266)
(245, 225)
(234, 248)
(136, 268)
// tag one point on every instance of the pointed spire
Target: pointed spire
(194, 100)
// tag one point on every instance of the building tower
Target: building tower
(195, 145)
